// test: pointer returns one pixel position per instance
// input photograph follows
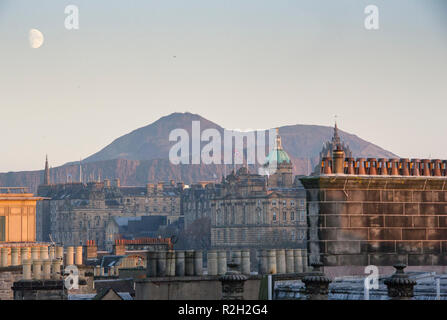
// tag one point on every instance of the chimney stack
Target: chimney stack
(394, 163)
(415, 167)
(69, 258)
(78, 256)
(351, 166)
(119, 248)
(361, 166)
(339, 161)
(383, 167)
(327, 165)
(405, 170)
(90, 250)
(372, 166)
(426, 167)
(437, 167)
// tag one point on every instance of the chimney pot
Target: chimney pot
(426, 167)
(394, 164)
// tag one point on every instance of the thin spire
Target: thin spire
(46, 177)
(336, 138)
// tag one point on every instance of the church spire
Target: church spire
(46, 177)
(336, 138)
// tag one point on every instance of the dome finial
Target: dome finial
(278, 140)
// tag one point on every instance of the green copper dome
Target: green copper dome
(277, 155)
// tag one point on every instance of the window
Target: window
(274, 216)
(284, 216)
(292, 216)
(302, 215)
(292, 203)
(284, 203)
(273, 203)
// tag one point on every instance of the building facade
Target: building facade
(249, 210)
(377, 212)
(77, 212)
(17, 215)
(250, 214)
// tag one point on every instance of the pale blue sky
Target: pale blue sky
(243, 64)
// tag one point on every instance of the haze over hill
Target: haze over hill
(143, 155)
(152, 141)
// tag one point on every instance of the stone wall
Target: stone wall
(190, 288)
(39, 290)
(363, 220)
(9, 275)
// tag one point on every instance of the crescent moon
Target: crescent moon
(35, 38)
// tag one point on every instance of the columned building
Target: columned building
(258, 211)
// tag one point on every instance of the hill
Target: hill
(143, 155)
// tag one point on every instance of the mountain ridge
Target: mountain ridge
(141, 155)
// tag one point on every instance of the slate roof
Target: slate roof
(119, 285)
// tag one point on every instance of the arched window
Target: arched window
(274, 216)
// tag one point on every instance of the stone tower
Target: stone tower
(335, 142)
(330, 146)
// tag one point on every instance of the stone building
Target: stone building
(17, 215)
(17, 235)
(377, 212)
(252, 210)
(196, 200)
(250, 214)
(77, 212)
